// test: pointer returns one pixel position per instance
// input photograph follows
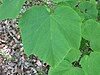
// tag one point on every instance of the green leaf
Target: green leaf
(72, 55)
(56, 1)
(72, 2)
(50, 35)
(88, 9)
(69, 1)
(91, 31)
(79, 13)
(10, 8)
(66, 68)
(98, 7)
(91, 64)
(93, 2)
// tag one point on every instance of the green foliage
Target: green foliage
(88, 9)
(91, 63)
(70, 1)
(64, 33)
(10, 8)
(56, 1)
(52, 32)
(91, 31)
(65, 67)
(98, 7)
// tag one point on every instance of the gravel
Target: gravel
(13, 60)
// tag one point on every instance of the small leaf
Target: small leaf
(88, 9)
